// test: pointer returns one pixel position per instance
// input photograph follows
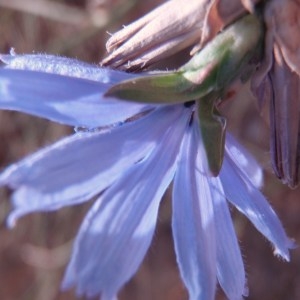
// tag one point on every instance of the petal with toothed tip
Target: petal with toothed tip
(193, 223)
(230, 267)
(240, 191)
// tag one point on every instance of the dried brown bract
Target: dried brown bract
(171, 27)
(277, 85)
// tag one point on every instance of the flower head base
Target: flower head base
(175, 26)
(131, 166)
(205, 78)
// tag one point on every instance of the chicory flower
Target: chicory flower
(128, 156)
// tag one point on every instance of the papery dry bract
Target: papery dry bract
(169, 28)
(277, 86)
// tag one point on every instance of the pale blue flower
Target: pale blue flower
(130, 156)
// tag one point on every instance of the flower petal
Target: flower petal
(248, 165)
(63, 66)
(72, 101)
(79, 167)
(118, 230)
(249, 200)
(230, 267)
(193, 223)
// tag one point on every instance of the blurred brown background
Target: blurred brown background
(33, 255)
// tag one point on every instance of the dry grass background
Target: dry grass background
(34, 254)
